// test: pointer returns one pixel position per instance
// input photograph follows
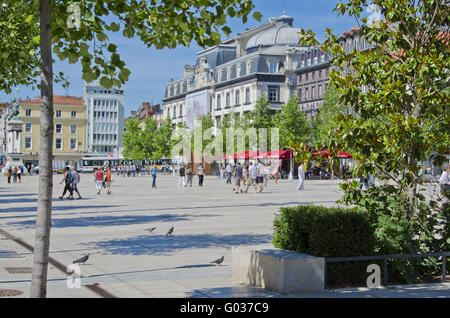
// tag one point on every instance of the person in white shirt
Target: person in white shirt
(260, 176)
(301, 177)
(75, 180)
(252, 174)
(444, 184)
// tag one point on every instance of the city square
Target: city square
(224, 149)
(126, 260)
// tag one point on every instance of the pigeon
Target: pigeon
(81, 260)
(151, 229)
(170, 232)
(218, 261)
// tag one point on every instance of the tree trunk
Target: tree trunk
(43, 218)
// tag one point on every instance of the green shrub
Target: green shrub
(327, 232)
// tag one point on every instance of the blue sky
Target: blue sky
(151, 69)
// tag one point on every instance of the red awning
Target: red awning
(280, 154)
(340, 154)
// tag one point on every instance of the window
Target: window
(320, 91)
(313, 89)
(58, 113)
(320, 74)
(28, 112)
(58, 143)
(300, 78)
(228, 100)
(73, 143)
(219, 106)
(74, 114)
(237, 97)
(247, 95)
(274, 92)
(103, 114)
(58, 128)
(174, 115)
(273, 67)
(73, 128)
(28, 127)
(306, 93)
(248, 66)
(300, 94)
(181, 110)
(307, 76)
(312, 75)
(28, 144)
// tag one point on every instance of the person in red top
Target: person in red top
(98, 177)
(108, 179)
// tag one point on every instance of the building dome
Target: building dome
(282, 33)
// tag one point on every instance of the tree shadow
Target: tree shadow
(162, 245)
(56, 208)
(101, 221)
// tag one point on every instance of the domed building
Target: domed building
(230, 77)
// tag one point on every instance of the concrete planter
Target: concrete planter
(278, 270)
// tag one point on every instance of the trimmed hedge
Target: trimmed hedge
(327, 232)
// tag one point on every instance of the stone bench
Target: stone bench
(278, 270)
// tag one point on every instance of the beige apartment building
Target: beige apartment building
(69, 137)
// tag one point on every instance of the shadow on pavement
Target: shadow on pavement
(160, 244)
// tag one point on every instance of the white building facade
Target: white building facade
(105, 119)
(230, 77)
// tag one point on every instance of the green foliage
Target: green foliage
(327, 232)
(325, 124)
(163, 24)
(144, 140)
(426, 232)
(397, 91)
(292, 124)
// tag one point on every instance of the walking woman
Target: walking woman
(98, 178)
(108, 180)
(9, 174)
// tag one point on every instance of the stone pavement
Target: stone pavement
(128, 261)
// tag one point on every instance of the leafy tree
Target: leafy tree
(292, 124)
(398, 93)
(324, 125)
(79, 32)
(403, 115)
(132, 140)
(163, 140)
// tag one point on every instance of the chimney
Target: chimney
(188, 70)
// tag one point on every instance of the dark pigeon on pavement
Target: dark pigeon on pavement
(81, 260)
(218, 261)
(151, 229)
(170, 232)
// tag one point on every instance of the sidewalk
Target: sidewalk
(128, 261)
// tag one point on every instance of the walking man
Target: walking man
(153, 171)
(75, 180)
(238, 177)
(190, 175)
(252, 174)
(301, 177)
(181, 182)
(98, 178)
(68, 184)
(229, 170)
(260, 175)
(200, 174)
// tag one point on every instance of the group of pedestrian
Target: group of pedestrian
(189, 173)
(131, 170)
(15, 173)
(251, 175)
(71, 179)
